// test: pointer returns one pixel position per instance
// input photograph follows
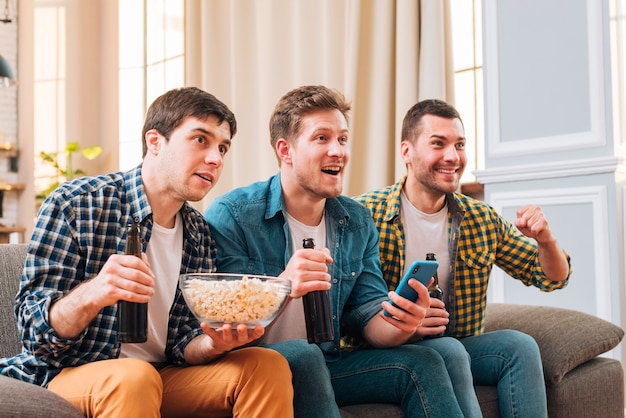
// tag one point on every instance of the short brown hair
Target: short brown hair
(413, 118)
(171, 109)
(287, 116)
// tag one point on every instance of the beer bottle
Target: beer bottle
(318, 314)
(132, 317)
(434, 291)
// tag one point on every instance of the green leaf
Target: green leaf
(92, 152)
(72, 147)
(48, 157)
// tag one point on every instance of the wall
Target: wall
(8, 123)
(550, 141)
(86, 108)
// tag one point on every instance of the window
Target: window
(49, 84)
(151, 37)
(468, 83)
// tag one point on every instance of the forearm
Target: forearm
(71, 314)
(553, 261)
(381, 334)
(200, 350)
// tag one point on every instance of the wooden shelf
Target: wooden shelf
(7, 187)
(6, 231)
(7, 146)
(9, 150)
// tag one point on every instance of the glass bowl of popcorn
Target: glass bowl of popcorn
(227, 298)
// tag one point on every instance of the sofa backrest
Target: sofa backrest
(12, 258)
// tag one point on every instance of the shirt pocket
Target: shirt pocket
(349, 271)
(478, 260)
(344, 280)
(264, 268)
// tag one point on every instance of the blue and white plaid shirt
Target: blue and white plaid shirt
(79, 226)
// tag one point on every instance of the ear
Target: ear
(153, 141)
(283, 150)
(406, 149)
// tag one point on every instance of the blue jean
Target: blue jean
(458, 364)
(511, 360)
(313, 395)
(411, 376)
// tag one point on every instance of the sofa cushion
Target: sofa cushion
(25, 400)
(566, 338)
(12, 259)
(593, 389)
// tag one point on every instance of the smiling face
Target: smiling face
(313, 163)
(188, 165)
(435, 160)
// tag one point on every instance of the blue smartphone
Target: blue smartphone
(420, 270)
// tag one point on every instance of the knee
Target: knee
(301, 356)
(519, 342)
(264, 361)
(134, 377)
(453, 351)
(420, 358)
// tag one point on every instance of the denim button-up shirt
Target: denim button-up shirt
(250, 228)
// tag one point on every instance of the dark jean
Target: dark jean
(411, 376)
(507, 359)
(511, 360)
(458, 363)
(312, 391)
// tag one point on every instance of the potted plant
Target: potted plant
(69, 172)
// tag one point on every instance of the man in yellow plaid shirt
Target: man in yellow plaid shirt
(422, 213)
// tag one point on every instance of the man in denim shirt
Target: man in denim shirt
(260, 229)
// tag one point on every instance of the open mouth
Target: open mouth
(334, 170)
(204, 177)
(446, 171)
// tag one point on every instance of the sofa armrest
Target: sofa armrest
(566, 338)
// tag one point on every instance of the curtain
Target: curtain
(384, 55)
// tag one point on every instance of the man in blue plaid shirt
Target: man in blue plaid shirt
(76, 272)
(422, 213)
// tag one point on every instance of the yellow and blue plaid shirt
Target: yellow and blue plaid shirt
(478, 239)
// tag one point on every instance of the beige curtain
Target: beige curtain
(384, 55)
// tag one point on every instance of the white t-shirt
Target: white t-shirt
(426, 233)
(164, 253)
(290, 324)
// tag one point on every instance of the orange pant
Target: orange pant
(251, 382)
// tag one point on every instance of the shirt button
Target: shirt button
(353, 274)
(334, 280)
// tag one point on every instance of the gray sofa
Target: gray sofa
(578, 382)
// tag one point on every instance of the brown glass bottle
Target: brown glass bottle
(132, 317)
(318, 313)
(434, 291)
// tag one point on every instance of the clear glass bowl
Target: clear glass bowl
(227, 298)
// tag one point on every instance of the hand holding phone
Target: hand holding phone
(420, 270)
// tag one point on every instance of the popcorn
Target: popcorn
(234, 301)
